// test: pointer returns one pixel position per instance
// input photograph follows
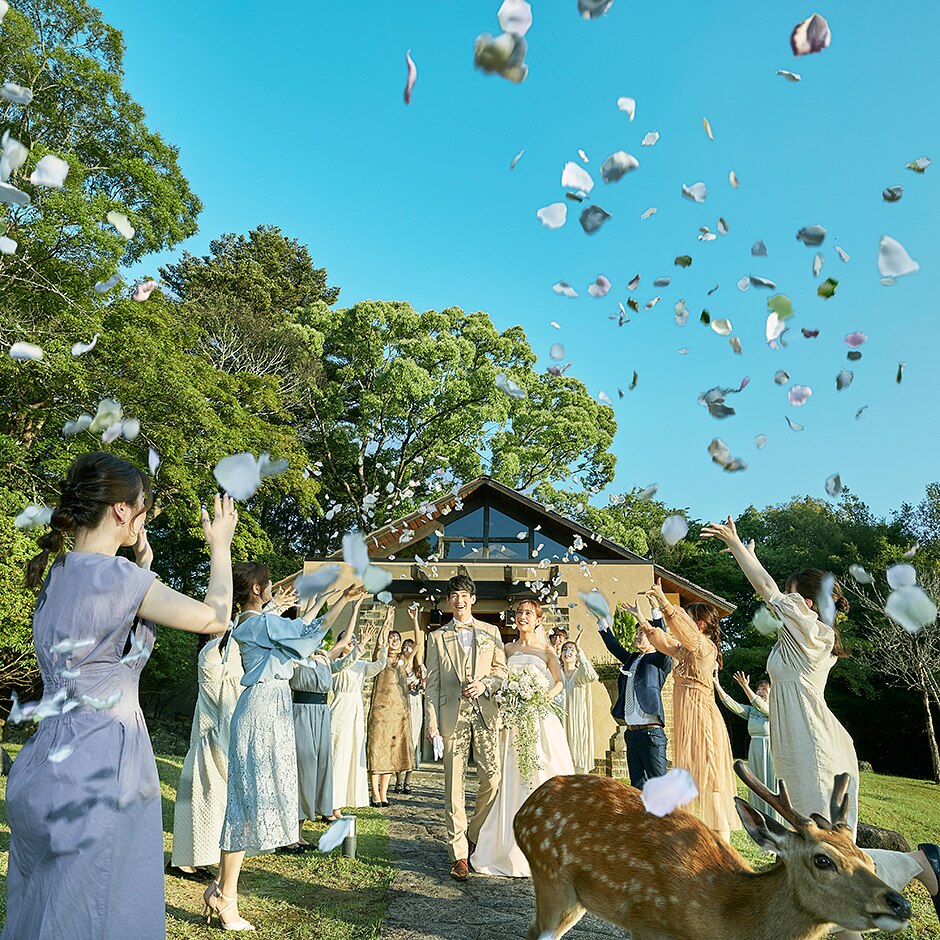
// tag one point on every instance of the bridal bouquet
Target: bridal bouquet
(523, 700)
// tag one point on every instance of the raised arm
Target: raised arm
(332, 615)
(415, 612)
(744, 555)
(381, 640)
(736, 708)
(347, 634)
(585, 674)
(682, 627)
(172, 609)
(755, 700)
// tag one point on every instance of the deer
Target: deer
(672, 878)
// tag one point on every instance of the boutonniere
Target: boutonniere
(483, 640)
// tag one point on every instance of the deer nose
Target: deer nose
(899, 905)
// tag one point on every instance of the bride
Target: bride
(496, 853)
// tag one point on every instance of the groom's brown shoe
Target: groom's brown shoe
(460, 871)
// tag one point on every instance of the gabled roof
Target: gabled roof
(384, 541)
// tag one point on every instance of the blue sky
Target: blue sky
(292, 114)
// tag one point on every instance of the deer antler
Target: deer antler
(779, 801)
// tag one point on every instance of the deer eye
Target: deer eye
(823, 862)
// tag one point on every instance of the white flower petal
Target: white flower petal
(722, 327)
(102, 287)
(239, 475)
(834, 485)
(143, 290)
(508, 386)
(663, 795)
(789, 76)
(153, 460)
(617, 165)
(516, 159)
(600, 287)
(812, 35)
(628, 106)
(697, 192)
(799, 395)
(79, 349)
(565, 289)
(901, 575)
(576, 177)
(597, 604)
(733, 180)
(14, 156)
(911, 607)
(893, 259)
(765, 621)
(23, 351)
(33, 516)
(16, 94)
(121, 223)
(554, 215)
(674, 529)
(650, 139)
(412, 73)
(50, 172)
(11, 196)
(7, 245)
(649, 212)
(860, 574)
(761, 441)
(309, 585)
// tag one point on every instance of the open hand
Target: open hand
(656, 596)
(220, 529)
(742, 680)
(285, 596)
(725, 532)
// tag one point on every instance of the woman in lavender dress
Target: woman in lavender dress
(83, 799)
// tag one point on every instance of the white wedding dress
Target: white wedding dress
(496, 852)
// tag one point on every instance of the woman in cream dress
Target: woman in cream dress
(577, 676)
(809, 745)
(348, 731)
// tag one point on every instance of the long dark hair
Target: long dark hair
(808, 583)
(709, 620)
(245, 576)
(94, 483)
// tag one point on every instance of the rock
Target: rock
(6, 762)
(874, 837)
(864, 767)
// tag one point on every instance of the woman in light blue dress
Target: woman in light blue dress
(262, 809)
(83, 798)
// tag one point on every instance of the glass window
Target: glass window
(505, 527)
(463, 548)
(507, 549)
(469, 526)
(550, 548)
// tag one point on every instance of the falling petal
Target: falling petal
(811, 235)
(600, 287)
(674, 529)
(508, 387)
(102, 287)
(901, 575)
(504, 55)
(33, 517)
(661, 281)
(310, 585)
(892, 193)
(696, 192)
(774, 329)
(893, 259)
(79, 349)
(789, 76)
(606, 399)
(557, 352)
(16, 94)
(143, 290)
(554, 215)
(706, 235)
(793, 425)
(239, 475)
(911, 607)
(759, 249)
(844, 256)
(14, 156)
(663, 795)
(336, 833)
(919, 165)
(736, 345)
(744, 284)
(11, 196)
(23, 351)
(652, 303)
(812, 35)
(809, 334)
(721, 327)
(413, 70)
(827, 288)
(633, 382)
(825, 605)
(712, 291)
(592, 9)
(576, 177)
(7, 245)
(798, 395)
(59, 754)
(683, 261)
(153, 460)
(860, 411)
(82, 423)
(761, 282)
(648, 492)
(592, 218)
(818, 261)
(617, 165)
(684, 351)
(900, 374)
(121, 223)
(628, 106)
(50, 172)
(564, 288)
(854, 340)
(834, 485)
(705, 318)
(733, 180)
(650, 139)
(102, 704)
(515, 16)
(765, 621)
(860, 574)
(682, 314)
(781, 377)
(556, 325)
(649, 212)
(708, 128)
(853, 355)
(781, 305)
(911, 552)
(761, 441)
(516, 159)
(4, 7)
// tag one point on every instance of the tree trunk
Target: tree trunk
(931, 738)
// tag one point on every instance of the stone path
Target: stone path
(427, 904)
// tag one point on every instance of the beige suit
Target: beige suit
(461, 721)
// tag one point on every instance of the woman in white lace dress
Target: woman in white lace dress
(496, 852)
(578, 675)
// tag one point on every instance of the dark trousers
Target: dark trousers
(646, 755)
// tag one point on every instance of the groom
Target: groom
(466, 666)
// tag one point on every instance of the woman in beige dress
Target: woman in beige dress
(389, 748)
(577, 677)
(701, 737)
(809, 745)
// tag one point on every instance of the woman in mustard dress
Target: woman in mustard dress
(701, 738)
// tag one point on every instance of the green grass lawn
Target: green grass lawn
(911, 807)
(288, 897)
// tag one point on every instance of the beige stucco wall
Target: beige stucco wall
(616, 580)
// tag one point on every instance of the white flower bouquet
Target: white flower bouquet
(523, 700)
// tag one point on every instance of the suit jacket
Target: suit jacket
(448, 670)
(648, 681)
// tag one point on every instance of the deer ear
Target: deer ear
(767, 833)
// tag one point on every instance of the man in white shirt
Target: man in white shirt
(466, 666)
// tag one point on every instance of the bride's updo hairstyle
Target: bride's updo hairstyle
(534, 604)
(94, 483)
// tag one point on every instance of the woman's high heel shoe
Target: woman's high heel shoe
(210, 912)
